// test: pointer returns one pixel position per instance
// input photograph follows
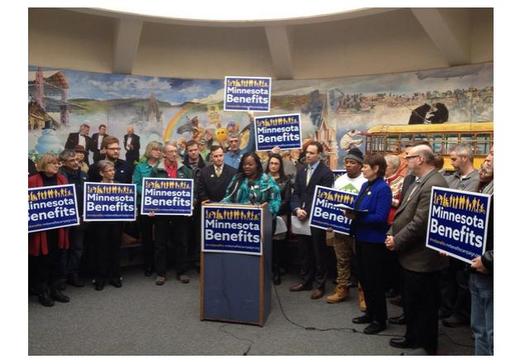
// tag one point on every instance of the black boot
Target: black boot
(99, 284)
(45, 299)
(75, 280)
(57, 295)
(276, 277)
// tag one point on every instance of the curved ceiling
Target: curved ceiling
(232, 10)
(285, 44)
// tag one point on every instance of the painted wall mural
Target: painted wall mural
(341, 113)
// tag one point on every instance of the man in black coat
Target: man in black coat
(123, 170)
(313, 248)
(81, 138)
(215, 178)
(132, 146)
(97, 139)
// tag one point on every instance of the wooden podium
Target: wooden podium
(236, 287)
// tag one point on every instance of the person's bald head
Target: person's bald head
(420, 160)
(425, 152)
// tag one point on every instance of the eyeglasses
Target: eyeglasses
(411, 156)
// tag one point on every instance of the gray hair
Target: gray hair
(66, 154)
(171, 143)
(103, 164)
(464, 150)
(392, 160)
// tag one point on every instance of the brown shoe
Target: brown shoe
(340, 294)
(300, 287)
(317, 293)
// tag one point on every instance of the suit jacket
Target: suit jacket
(72, 142)
(134, 152)
(211, 187)
(410, 227)
(94, 147)
(303, 194)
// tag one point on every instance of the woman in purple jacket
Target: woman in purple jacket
(369, 226)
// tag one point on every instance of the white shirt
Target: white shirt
(347, 184)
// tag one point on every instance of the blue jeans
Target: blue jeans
(482, 313)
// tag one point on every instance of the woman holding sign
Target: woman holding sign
(369, 226)
(46, 248)
(108, 236)
(252, 186)
(143, 169)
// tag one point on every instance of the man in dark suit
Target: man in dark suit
(132, 146)
(97, 139)
(81, 138)
(420, 265)
(215, 178)
(313, 248)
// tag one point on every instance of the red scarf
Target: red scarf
(171, 169)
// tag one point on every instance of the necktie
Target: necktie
(309, 172)
(218, 172)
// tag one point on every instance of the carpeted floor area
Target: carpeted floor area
(144, 319)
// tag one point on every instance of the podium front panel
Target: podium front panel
(236, 286)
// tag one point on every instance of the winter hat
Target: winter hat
(355, 154)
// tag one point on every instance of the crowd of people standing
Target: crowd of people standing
(385, 251)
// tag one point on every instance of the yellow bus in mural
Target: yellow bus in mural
(442, 138)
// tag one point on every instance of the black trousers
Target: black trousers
(194, 239)
(147, 224)
(421, 299)
(172, 232)
(73, 257)
(455, 292)
(370, 262)
(46, 271)
(313, 252)
(108, 237)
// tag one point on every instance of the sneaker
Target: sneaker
(160, 280)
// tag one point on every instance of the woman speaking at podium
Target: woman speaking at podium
(252, 186)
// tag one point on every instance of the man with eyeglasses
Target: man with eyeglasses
(420, 265)
(111, 149)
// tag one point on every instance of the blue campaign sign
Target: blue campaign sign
(232, 229)
(247, 93)
(457, 223)
(166, 196)
(52, 207)
(283, 131)
(338, 173)
(325, 214)
(109, 201)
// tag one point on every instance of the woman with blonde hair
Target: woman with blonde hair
(150, 160)
(46, 248)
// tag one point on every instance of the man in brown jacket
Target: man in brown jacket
(420, 265)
